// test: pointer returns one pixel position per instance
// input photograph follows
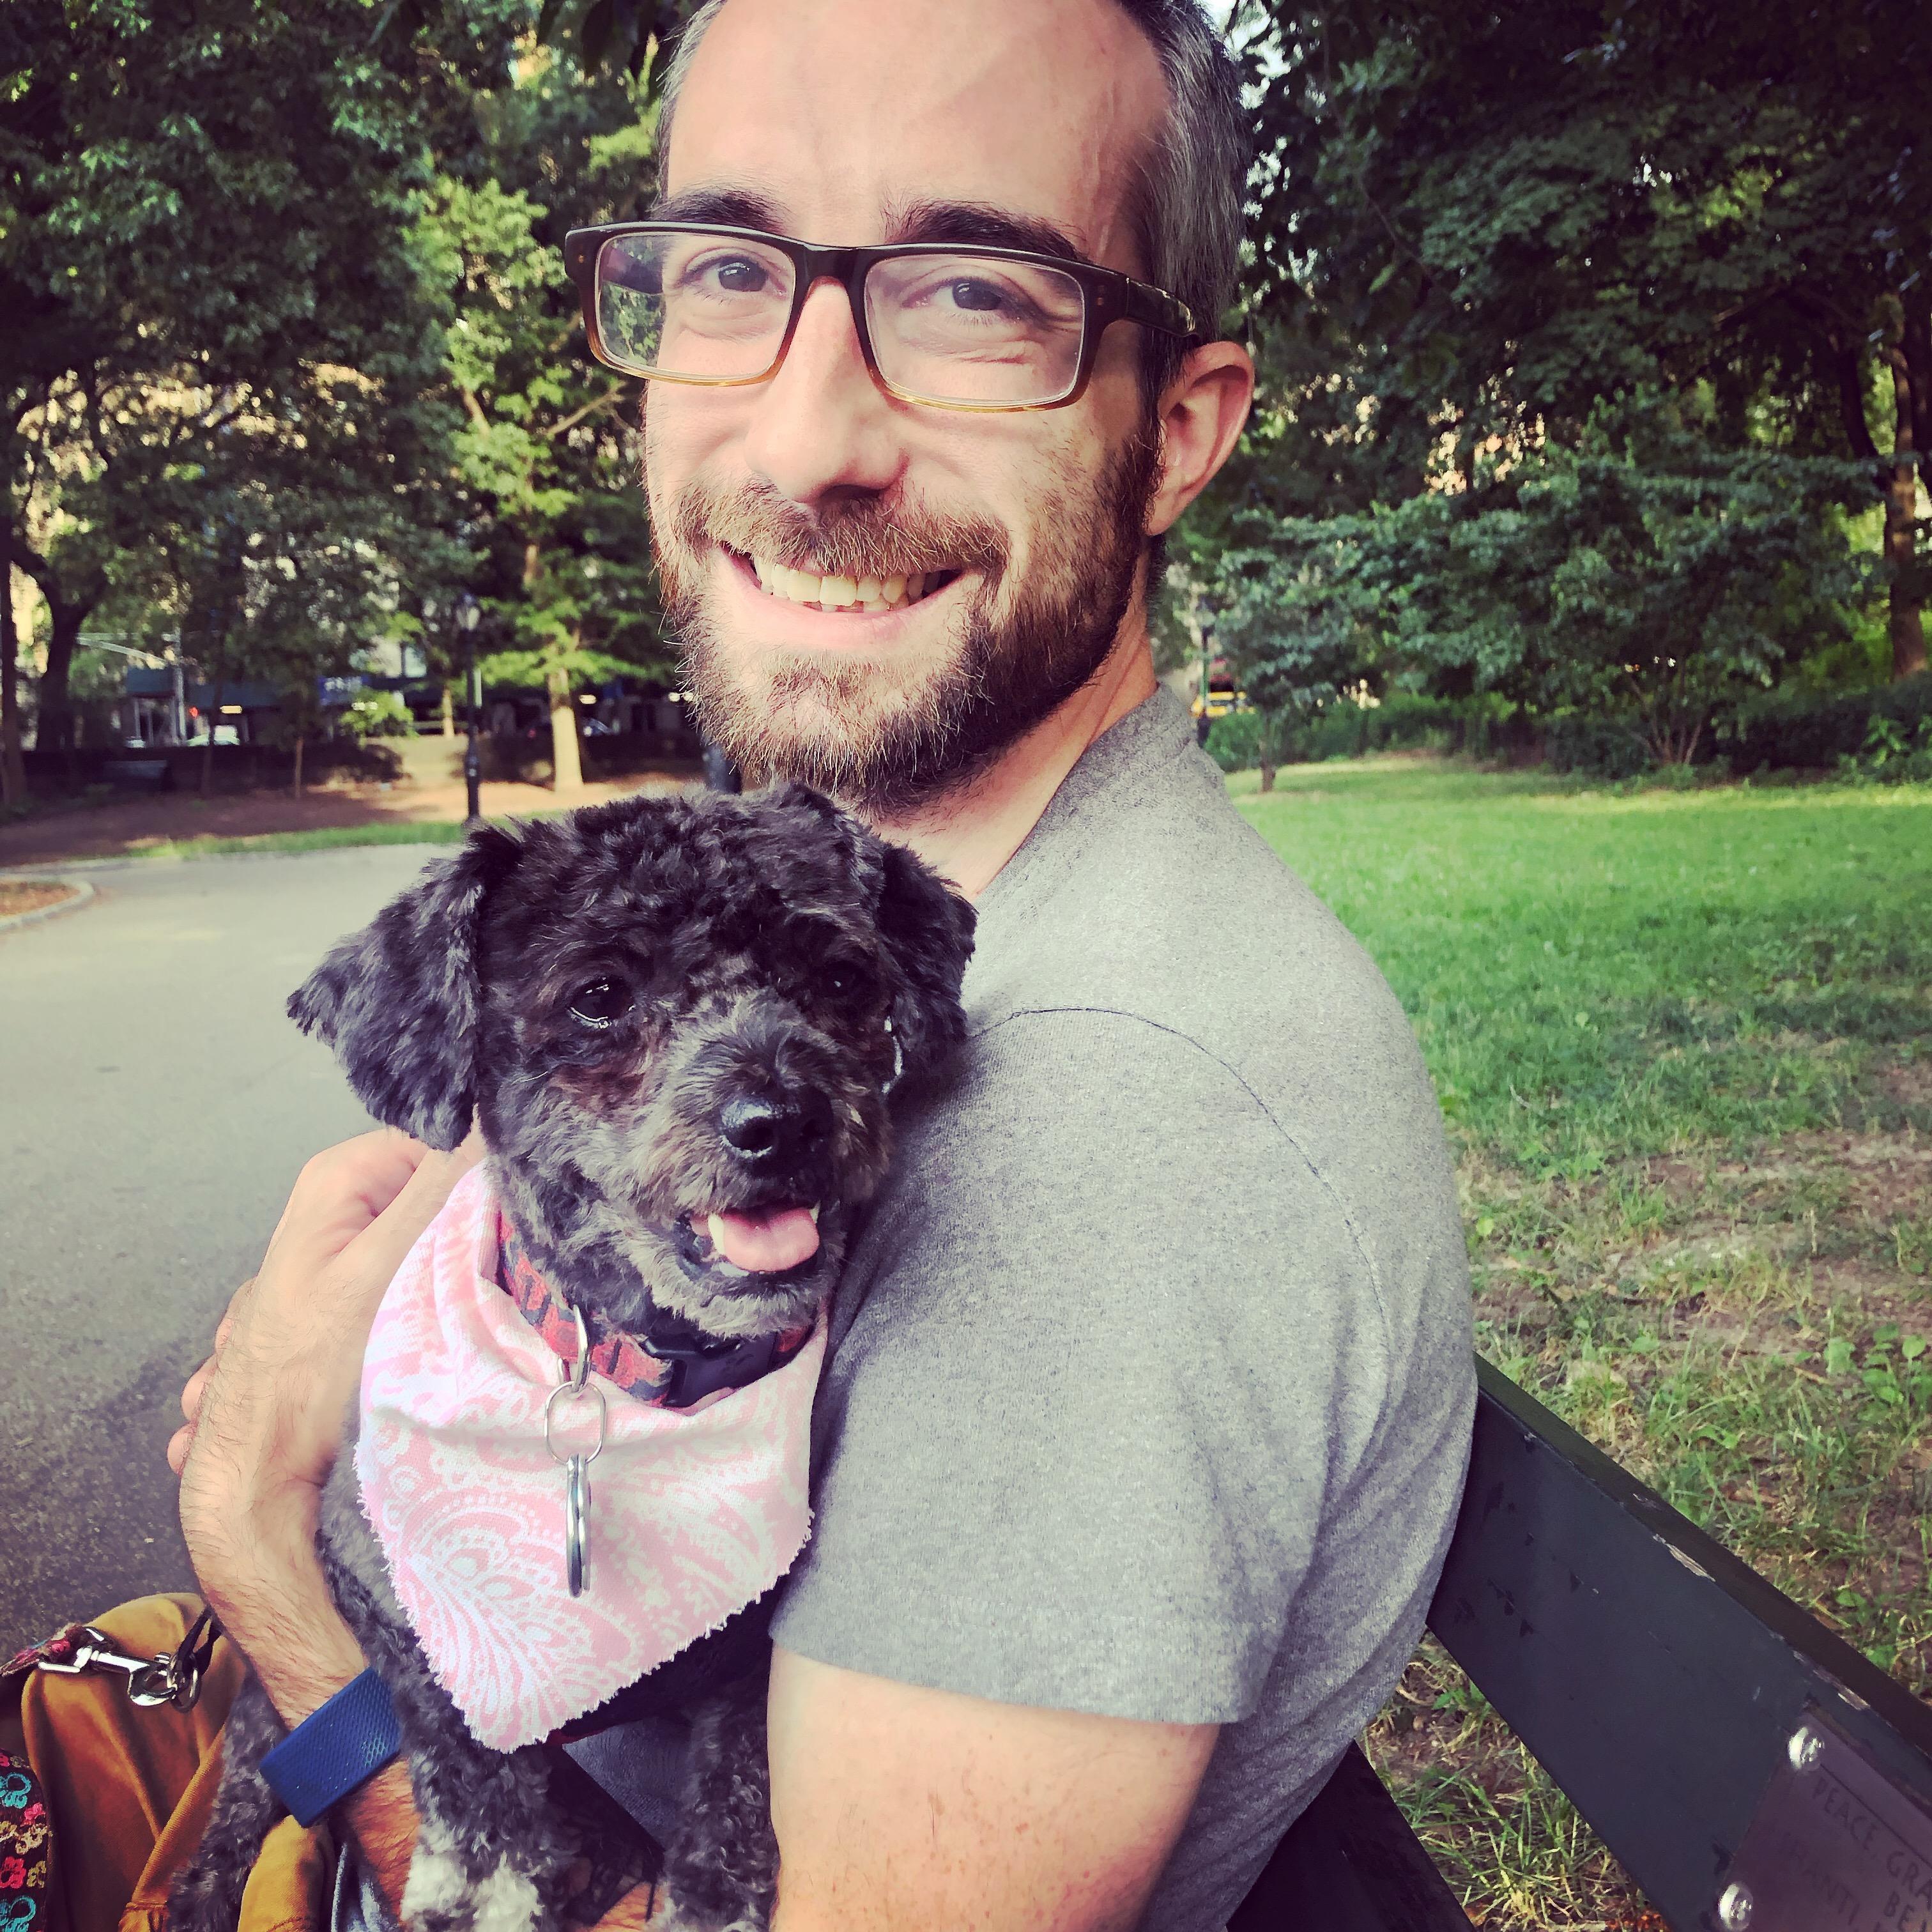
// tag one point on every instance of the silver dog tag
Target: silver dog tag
(573, 1386)
(576, 1522)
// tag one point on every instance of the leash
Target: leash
(171, 1677)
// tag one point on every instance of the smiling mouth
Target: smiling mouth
(739, 1244)
(870, 596)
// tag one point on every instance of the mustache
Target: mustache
(865, 537)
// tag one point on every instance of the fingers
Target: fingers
(270, 1406)
(380, 1249)
(195, 1387)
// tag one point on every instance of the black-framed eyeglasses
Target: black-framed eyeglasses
(958, 328)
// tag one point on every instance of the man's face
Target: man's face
(854, 121)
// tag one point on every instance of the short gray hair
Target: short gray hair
(1185, 206)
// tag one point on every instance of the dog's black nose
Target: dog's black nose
(770, 1133)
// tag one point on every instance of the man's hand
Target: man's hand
(898, 1809)
(264, 1414)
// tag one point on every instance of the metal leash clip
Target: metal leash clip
(173, 1677)
(574, 1383)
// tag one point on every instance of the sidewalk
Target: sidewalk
(127, 827)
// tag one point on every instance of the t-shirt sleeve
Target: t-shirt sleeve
(1119, 1356)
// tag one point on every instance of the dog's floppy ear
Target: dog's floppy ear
(400, 1001)
(927, 928)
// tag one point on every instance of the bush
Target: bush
(1597, 747)
(1234, 739)
(1787, 729)
(376, 714)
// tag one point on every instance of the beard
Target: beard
(890, 733)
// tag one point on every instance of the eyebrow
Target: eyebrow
(966, 222)
(723, 207)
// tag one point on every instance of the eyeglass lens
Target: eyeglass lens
(945, 328)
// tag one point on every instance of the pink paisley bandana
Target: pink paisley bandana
(694, 1513)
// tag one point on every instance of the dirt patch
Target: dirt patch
(18, 895)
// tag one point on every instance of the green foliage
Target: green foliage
(1234, 740)
(1798, 728)
(1597, 747)
(376, 714)
(267, 272)
(543, 454)
(1643, 576)
(209, 289)
(1556, 323)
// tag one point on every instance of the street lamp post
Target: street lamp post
(467, 617)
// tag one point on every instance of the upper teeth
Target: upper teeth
(838, 593)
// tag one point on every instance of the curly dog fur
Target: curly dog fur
(612, 996)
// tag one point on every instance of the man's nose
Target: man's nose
(821, 425)
(774, 1133)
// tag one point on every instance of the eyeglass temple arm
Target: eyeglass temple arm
(1156, 309)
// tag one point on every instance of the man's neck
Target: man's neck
(969, 836)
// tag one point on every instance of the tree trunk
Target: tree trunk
(208, 726)
(1907, 355)
(1906, 617)
(1267, 774)
(55, 729)
(566, 756)
(301, 742)
(13, 766)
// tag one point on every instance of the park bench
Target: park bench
(136, 774)
(1749, 1769)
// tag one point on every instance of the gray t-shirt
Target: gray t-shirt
(1152, 1380)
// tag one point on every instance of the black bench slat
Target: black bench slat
(1350, 1864)
(1657, 1677)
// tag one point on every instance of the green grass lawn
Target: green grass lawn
(1684, 1042)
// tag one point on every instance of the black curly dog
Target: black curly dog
(655, 1010)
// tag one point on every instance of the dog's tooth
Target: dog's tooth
(892, 588)
(715, 1227)
(838, 591)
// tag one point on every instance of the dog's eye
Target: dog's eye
(598, 1004)
(842, 978)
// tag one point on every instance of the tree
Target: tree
(1474, 228)
(1643, 575)
(204, 224)
(544, 454)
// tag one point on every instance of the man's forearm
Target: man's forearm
(303, 1653)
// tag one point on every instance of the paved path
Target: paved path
(155, 1104)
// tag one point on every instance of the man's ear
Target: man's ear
(1202, 412)
(400, 1001)
(927, 928)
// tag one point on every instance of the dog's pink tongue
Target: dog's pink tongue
(769, 1243)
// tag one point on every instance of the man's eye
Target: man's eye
(598, 1003)
(975, 294)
